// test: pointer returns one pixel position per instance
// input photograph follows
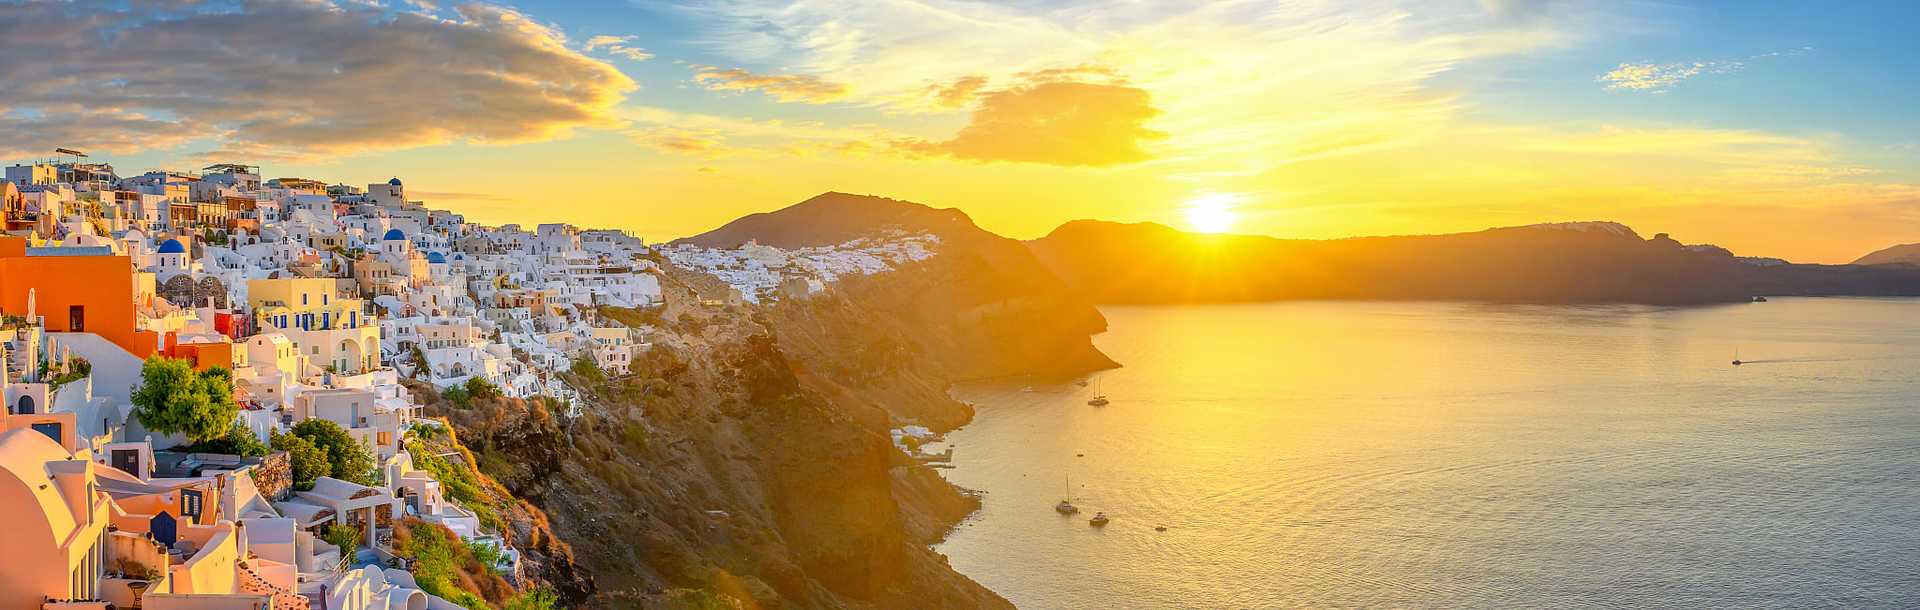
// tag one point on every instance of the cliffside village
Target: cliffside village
(317, 300)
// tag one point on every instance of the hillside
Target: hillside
(1585, 262)
(745, 460)
(1567, 262)
(1903, 254)
(832, 218)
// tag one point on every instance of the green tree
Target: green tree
(349, 460)
(481, 389)
(172, 398)
(239, 440)
(309, 460)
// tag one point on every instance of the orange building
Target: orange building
(79, 292)
(203, 355)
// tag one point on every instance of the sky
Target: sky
(1770, 128)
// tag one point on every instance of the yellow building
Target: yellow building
(329, 329)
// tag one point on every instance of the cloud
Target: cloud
(289, 79)
(1658, 78)
(956, 94)
(1056, 122)
(1238, 86)
(783, 87)
(617, 45)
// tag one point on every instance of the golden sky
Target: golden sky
(1316, 119)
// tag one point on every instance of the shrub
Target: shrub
(349, 460)
(172, 398)
(309, 461)
(481, 389)
(458, 396)
(239, 440)
(541, 598)
(347, 537)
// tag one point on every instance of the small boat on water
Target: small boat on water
(1759, 299)
(1098, 520)
(1026, 390)
(1065, 508)
(1081, 383)
(1099, 398)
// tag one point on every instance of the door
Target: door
(127, 460)
(77, 318)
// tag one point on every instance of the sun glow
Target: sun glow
(1212, 213)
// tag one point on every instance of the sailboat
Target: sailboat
(1066, 507)
(1736, 356)
(1099, 399)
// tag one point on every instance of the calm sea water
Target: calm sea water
(1463, 455)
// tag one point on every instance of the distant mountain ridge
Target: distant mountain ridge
(833, 218)
(1903, 254)
(1093, 261)
(1578, 262)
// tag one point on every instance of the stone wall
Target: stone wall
(274, 475)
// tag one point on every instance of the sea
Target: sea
(1460, 455)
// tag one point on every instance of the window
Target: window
(303, 299)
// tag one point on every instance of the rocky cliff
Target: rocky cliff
(745, 461)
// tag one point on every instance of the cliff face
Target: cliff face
(746, 458)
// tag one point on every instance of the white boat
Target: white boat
(1066, 507)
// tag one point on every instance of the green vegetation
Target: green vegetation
(309, 461)
(347, 537)
(541, 598)
(458, 396)
(77, 369)
(459, 484)
(481, 389)
(173, 398)
(347, 459)
(239, 440)
(447, 568)
(588, 370)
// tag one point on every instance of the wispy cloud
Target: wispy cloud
(1659, 78)
(1662, 77)
(618, 46)
(783, 87)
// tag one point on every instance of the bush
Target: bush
(541, 598)
(587, 369)
(347, 537)
(239, 440)
(172, 398)
(481, 389)
(459, 397)
(309, 461)
(348, 459)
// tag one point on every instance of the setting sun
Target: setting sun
(1212, 213)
